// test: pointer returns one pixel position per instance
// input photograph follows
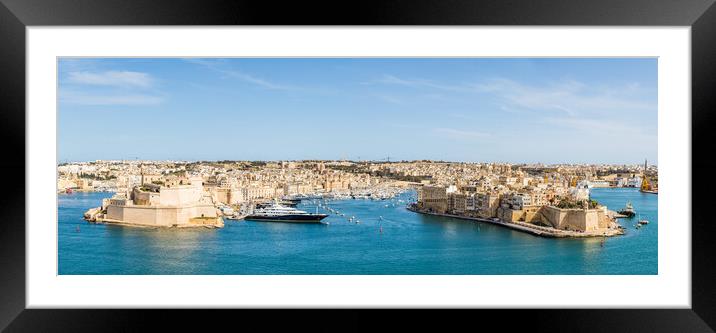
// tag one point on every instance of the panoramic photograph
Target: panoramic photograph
(357, 166)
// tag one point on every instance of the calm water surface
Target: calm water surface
(409, 243)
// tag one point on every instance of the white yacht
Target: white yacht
(279, 213)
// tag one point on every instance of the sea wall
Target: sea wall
(530, 214)
(531, 227)
(564, 219)
(574, 219)
(159, 216)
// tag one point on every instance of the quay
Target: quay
(530, 228)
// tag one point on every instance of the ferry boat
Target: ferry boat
(628, 210)
(279, 213)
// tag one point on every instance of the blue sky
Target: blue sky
(552, 110)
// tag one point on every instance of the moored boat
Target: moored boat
(628, 210)
(279, 213)
(643, 221)
(272, 203)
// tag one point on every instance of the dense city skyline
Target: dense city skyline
(576, 110)
(140, 161)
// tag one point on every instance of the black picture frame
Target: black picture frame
(16, 15)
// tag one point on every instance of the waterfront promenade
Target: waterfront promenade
(529, 228)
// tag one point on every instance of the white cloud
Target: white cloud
(570, 97)
(111, 87)
(418, 83)
(111, 78)
(217, 66)
(598, 126)
(254, 80)
(80, 98)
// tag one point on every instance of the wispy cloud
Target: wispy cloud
(600, 127)
(568, 97)
(220, 67)
(391, 99)
(460, 134)
(111, 78)
(106, 99)
(110, 87)
(416, 83)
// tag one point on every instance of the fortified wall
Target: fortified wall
(179, 206)
(575, 219)
(559, 218)
(162, 216)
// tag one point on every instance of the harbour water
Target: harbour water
(388, 240)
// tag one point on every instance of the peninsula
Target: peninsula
(544, 200)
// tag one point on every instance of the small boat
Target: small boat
(628, 210)
(68, 191)
(643, 221)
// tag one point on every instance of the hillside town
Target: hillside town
(550, 200)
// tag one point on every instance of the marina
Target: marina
(359, 236)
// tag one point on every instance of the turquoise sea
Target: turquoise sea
(402, 242)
